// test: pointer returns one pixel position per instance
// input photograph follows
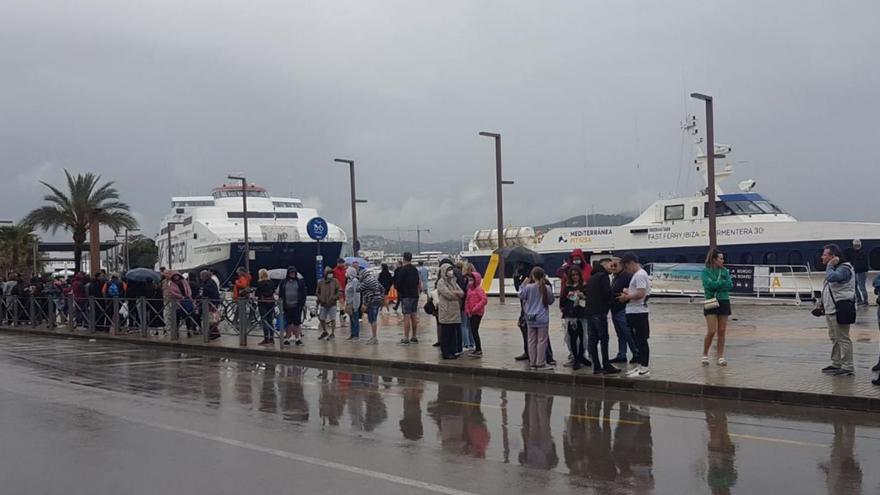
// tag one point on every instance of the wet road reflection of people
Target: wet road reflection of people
(331, 403)
(475, 430)
(411, 424)
(721, 474)
(268, 389)
(448, 413)
(586, 443)
(843, 474)
(633, 450)
(538, 449)
(366, 407)
(294, 406)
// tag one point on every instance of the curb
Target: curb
(786, 397)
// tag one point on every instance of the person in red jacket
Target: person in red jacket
(576, 258)
(339, 274)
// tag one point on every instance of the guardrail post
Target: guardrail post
(206, 320)
(143, 320)
(243, 323)
(175, 323)
(71, 313)
(32, 307)
(114, 320)
(92, 315)
(15, 310)
(51, 314)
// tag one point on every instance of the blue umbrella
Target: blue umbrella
(143, 275)
(351, 260)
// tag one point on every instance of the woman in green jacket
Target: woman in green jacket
(716, 284)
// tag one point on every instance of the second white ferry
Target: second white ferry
(751, 230)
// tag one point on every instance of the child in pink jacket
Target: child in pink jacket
(474, 307)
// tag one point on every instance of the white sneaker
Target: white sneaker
(705, 360)
(633, 372)
(644, 372)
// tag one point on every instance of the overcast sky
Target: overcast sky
(168, 97)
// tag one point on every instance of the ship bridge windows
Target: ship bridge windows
(237, 194)
(673, 212)
(191, 204)
(263, 214)
(743, 207)
(287, 204)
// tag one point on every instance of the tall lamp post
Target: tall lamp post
(247, 244)
(127, 257)
(355, 244)
(710, 167)
(168, 232)
(500, 211)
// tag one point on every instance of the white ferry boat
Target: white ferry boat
(751, 229)
(211, 233)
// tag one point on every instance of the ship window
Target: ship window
(179, 210)
(287, 204)
(768, 207)
(195, 235)
(681, 259)
(744, 208)
(721, 209)
(262, 214)
(795, 258)
(770, 258)
(695, 211)
(746, 259)
(874, 259)
(287, 214)
(674, 212)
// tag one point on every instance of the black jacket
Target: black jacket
(570, 308)
(860, 261)
(386, 279)
(300, 295)
(208, 290)
(599, 293)
(621, 281)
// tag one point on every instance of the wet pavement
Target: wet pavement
(777, 348)
(82, 417)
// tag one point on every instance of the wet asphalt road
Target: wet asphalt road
(81, 417)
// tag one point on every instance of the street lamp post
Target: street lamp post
(168, 229)
(127, 257)
(247, 244)
(710, 167)
(355, 245)
(500, 211)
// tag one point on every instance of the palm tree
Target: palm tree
(16, 246)
(74, 210)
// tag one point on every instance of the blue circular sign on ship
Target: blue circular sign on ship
(317, 228)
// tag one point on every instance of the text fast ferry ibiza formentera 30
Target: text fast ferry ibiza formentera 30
(211, 233)
(751, 230)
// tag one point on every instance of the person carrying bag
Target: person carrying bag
(838, 307)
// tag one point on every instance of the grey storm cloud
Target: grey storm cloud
(167, 98)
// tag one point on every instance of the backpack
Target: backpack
(113, 289)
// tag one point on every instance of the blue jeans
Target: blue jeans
(861, 292)
(355, 325)
(466, 339)
(624, 334)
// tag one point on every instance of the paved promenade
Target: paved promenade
(775, 354)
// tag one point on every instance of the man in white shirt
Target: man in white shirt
(636, 299)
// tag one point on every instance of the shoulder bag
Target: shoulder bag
(710, 304)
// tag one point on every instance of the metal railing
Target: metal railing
(142, 316)
(791, 282)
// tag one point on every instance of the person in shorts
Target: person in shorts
(292, 294)
(408, 283)
(716, 285)
(372, 298)
(328, 294)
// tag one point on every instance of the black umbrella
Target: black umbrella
(143, 275)
(521, 254)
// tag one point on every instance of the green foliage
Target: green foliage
(17, 248)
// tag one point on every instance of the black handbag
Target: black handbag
(845, 310)
(430, 308)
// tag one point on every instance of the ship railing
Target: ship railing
(778, 282)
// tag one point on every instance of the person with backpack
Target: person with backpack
(536, 295)
(292, 294)
(838, 305)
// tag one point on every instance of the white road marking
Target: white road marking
(304, 458)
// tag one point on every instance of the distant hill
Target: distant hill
(596, 220)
